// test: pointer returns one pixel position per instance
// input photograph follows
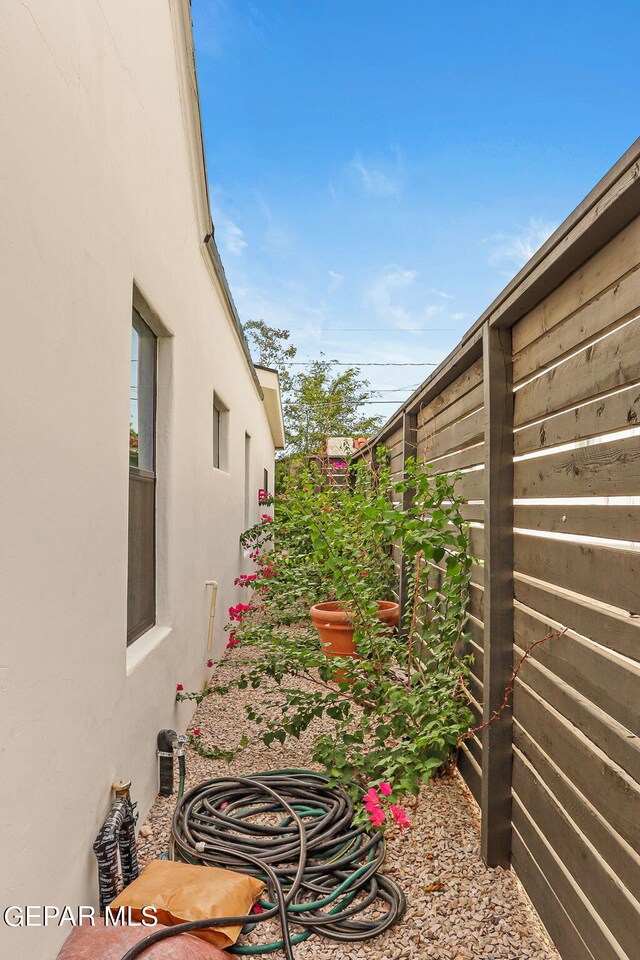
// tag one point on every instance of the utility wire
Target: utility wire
(356, 363)
(338, 404)
(372, 330)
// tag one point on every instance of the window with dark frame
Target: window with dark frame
(265, 480)
(141, 579)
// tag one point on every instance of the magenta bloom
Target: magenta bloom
(266, 518)
(386, 789)
(209, 663)
(196, 731)
(179, 687)
(373, 796)
(377, 817)
(400, 816)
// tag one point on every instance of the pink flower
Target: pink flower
(235, 613)
(372, 796)
(196, 731)
(400, 816)
(266, 518)
(233, 641)
(179, 687)
(377, 817)
(256, 908)
(209, 663)
(386, 789)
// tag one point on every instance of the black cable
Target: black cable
(320, 869)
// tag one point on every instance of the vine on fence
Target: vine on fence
(397, 710)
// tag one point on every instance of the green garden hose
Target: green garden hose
(320, 870)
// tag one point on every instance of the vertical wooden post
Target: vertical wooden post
(498, 596)
(409, 448)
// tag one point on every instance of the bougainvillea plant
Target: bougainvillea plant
(398, 709)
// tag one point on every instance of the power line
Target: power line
(412, 386)
(372, 330)
(337, 405)
(355, 363)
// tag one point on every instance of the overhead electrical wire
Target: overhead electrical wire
(373, 330)
(357, 363)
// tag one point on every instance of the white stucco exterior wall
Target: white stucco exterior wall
(98, 194)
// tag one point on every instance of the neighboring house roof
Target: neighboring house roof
(338, 446)
(270, 384)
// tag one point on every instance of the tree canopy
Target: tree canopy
(319, 401)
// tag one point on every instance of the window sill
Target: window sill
(140, 649)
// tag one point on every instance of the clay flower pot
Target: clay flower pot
(336, 630)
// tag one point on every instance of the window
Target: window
(141, 588)
(220, 430)
(265, 481)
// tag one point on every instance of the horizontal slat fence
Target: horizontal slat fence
(576, 752)
(545, 435)
(450, 437)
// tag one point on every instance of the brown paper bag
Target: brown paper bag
(180, 892)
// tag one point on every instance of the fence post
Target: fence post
(498, 595)
(409, 447)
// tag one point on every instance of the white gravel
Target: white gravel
(458, 909)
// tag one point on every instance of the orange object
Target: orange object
(183, 891)
(336, 629)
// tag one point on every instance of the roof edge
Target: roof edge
(190, 101)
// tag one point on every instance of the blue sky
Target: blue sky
(391, 165)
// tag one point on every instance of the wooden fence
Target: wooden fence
(539, 409)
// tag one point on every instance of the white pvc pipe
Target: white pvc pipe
(212, 611)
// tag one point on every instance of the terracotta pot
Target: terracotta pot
(336, 630)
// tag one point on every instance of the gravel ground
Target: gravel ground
(458, 909)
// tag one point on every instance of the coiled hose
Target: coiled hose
(320, 870)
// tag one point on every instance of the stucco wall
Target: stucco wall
(97, 194)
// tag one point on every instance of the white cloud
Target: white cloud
(514, 249)
(402, 300)
(229, 235)
(282, 302)
(276, 238)
(336, 281)
(375, 181)
(386, 295)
